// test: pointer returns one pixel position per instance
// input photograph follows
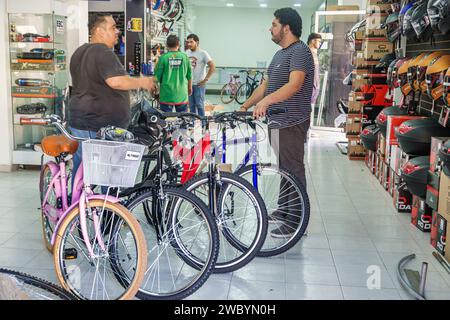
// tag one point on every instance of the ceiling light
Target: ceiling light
(230, 4)
(297, 4)
(263, 5)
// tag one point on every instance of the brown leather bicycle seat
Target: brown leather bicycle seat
(56, 145)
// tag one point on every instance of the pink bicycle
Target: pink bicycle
(230, 89)
(98, 246)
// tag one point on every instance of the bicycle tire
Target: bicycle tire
(39, 283)
(174, 241)
(139, 245)
(269, 248)
(243, 93)
(247, 251)
(226, 94)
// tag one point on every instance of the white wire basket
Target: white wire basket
(111, 163)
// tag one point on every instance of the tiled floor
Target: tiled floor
(354, 232)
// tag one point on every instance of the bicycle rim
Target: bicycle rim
(227, 93)
(243, 93)
(241, 219)
(275, 183)
(181, 258)
(98, 277)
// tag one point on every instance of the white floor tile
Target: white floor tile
(351, 243)
(359, 293)
(365, 276)
(295, 291)
(310, 274)
(244, 289)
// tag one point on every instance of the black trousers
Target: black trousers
(289, 146)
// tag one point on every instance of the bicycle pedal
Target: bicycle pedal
(70, 254)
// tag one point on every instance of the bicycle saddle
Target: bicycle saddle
(57, 145)
(112, 133)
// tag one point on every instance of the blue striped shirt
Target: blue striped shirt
(296, 57)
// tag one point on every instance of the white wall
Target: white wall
(102, 6)
(238, 37)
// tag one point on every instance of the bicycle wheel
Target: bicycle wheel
(227, 93)
(21, 286)
(183, 243)
(51, 205)
(243, 93)
(241, 219)
(287, 202)
(96, 278)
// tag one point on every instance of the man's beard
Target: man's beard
(278, 39)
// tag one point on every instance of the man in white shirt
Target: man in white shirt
(200, 59)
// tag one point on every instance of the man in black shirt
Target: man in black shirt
(288, 86)
(100, 84)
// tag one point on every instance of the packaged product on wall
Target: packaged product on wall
(444, 196)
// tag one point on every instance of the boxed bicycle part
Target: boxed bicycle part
(444, 196)
(402, 198)
(438, 232)
(421, 214)
(355, 150)
(375, 50)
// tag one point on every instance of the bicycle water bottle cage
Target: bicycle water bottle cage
(32, 108)
(112, 133)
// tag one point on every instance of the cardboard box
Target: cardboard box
(438, 232)
(432, 198)
(436, 144)
(355, 107)
(375, 2)
(375, 50)
(447, 252)
(393, 181)
(378, 8)
(353, 126)
(381, 146)
(421, 214)
(360, 35)
(371, 161)
(395, 155)
(355, 96)
(375, 20)
(369, 114)
(356, 149)
(377, 35)
(402, 198)
(444, 196)
(361, 61)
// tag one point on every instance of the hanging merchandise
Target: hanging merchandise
(383, 65)
(402, 76)
(421, 22)
(435, 8)
(390, 73)
(392, 26)
(403, 10)
(422, 69)
(412, 71)
(446, 96)
(434, 77)
(395, 79)
(407, 28)
(444, 13)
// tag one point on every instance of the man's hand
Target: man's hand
(260, 109)
(148, 84)
(190, 91)
(202, 83)
(242, 109)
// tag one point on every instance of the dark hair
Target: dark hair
(290, 17)
(314, 36)
(96, 20)
(193, 37)
(172, 41)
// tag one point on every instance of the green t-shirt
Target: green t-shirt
(173, 72)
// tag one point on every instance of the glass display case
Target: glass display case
(39, 75)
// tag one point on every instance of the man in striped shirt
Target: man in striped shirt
(288, 87)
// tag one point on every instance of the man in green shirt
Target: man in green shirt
(174, 74)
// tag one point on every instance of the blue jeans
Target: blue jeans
(197, 100)
(169, 108)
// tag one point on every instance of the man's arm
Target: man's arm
(211, 70)
(128, 83)
(256, 96)
(296, 80)
(190, 87)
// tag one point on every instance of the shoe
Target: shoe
(277, 216)
(284, 231)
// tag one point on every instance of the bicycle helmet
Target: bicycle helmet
(408, 30)
(444, 13)
(392, 26)
(421, 22)
(446, 95)
(402, 77)
(383, 65)
(412, 71)
(422, 69)
(434, 77)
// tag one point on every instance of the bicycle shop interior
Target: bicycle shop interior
(376, 203)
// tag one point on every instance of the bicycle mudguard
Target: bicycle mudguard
(93, 197)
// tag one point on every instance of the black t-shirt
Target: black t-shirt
(94, 104)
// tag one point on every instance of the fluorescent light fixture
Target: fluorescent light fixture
(263, 5)
(297, 4)
(230, 4)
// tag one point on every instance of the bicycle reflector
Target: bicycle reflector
(434, 77)
(422, 69)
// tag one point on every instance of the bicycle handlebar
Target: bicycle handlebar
(54, 120)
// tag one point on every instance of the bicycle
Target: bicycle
(246, 89)
(287, 204)
(230, 89)
(237, 208)
(89, 232)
